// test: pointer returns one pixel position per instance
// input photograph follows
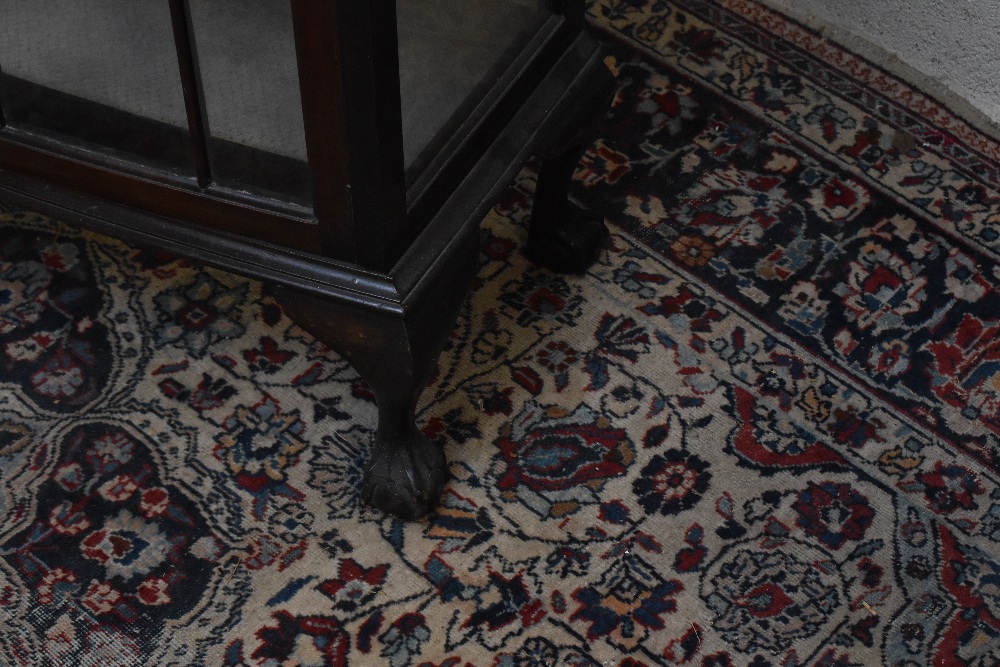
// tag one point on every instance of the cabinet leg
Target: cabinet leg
(396, 357)
(406, 472)
(562, 236)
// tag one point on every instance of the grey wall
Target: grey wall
(948, 48)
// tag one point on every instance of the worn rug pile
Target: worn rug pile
(763, 430)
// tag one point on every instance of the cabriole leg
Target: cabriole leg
(406, 472)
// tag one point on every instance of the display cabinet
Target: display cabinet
(342, 151)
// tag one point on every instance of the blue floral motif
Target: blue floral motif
(990, 526)
(404, 639)
(503, 602)
(22, 292)
(200, 313)
(633, 278)
(258, 445)
(626, 604)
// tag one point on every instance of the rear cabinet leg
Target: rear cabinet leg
(561, 236)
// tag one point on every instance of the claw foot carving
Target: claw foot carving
(405, 478)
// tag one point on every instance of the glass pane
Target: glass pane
(98, 73)
(449, 51)
(246, 52)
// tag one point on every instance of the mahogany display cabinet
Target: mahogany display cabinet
(341, 151)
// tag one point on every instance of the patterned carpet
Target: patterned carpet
(763, 430)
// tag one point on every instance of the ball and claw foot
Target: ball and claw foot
(405, 479)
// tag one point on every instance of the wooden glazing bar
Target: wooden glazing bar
(194, 99)
(3, 116)
(317, 52)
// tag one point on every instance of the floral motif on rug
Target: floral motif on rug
(761, 431)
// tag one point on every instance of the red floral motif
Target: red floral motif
(764, 601)
(60, 256)
(69, 476)
(543, 297)
(126, 545)
(967, 364)
(46, 591)
(356, 586)
(154, 502)
(154, 591)
(268, 358)
(881, 289)
(833, 513)
(118, 489)
(950, 487)
(682, 649)
(101, 597)
(498, 248)
(67, 519)
(300, 639)
(603, 165)
(839, 199)
(558, 357)
(759, 444)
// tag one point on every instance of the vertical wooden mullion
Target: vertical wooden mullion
(317, 52)
(349, 84)
(3, 116)
(194, 98)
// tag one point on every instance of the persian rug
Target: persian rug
(763, 430)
